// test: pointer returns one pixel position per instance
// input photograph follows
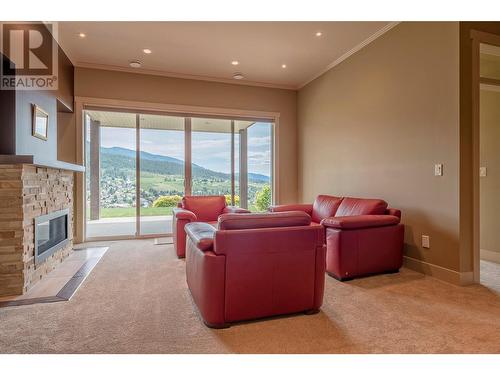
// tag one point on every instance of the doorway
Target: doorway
(489, 169)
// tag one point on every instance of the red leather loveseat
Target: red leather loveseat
(363, 236)
(206, 208)
(254, 266)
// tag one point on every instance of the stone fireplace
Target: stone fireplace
(31, 195)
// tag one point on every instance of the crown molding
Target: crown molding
(351, 52)
(182, 76)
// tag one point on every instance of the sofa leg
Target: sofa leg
(312, 311)
(217, 326)
(392, 271)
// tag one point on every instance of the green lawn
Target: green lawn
(130, 211)
(145, 211)
(161, 182)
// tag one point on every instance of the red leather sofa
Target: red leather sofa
(255, 266)
(205, 208)
(363, 236)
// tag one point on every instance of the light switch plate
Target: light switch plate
(426, 242)
(482, 172)
(438, 169)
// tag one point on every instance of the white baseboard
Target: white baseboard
(441, 273)
(491, 256)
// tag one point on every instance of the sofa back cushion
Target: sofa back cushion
(361, 206)
(325, 206)
(264, 220)
(206, 208)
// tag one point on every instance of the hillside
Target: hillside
(119, 159)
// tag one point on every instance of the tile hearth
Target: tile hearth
(62, 283)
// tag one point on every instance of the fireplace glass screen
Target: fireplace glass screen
(51, 233)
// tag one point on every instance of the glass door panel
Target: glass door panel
(110, 146)
(259, 149)
(211, 157)
(237, 195)
(161, 165)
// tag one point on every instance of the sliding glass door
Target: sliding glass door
(211, 157)
(111, 174)
(161, 166)
(137, 172)
(259, 165)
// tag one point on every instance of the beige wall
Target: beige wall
(375, 125)
(490, 158)
(66, 137)
(156, 89)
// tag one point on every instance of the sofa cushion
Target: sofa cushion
(325, 206)
(264, 220)
(206, 208)
(360, 222)
(361, 206)
(201, 234)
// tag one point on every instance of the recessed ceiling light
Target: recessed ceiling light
(135, 64)
(283, 66)
(238, 76)
(235, 62)
(82, 35)
(147, 51)
(319, 33)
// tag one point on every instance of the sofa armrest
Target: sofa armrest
(201, 234)
(393, 212)
(235, 210)
(183, 214)
(205, 276)
(307, 208)
(360, 221)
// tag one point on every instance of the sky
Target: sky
(210, 150)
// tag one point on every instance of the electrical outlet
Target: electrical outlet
(438, 169)
(426, 242)
(482, 172)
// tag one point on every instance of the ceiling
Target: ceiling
(205, 50)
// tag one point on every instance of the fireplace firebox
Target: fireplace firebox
(51, 234)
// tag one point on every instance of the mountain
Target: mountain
(255, 177)
(144, 155)
(119, 158)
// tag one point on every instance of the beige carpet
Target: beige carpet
(136, 301)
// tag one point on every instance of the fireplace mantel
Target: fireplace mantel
(36, 161)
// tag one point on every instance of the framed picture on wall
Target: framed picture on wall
(40, 124)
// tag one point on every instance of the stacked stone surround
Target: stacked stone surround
(28, 191)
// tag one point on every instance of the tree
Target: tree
(236, 199)
(263, 198)
(167, 201)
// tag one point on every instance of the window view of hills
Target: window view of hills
(160, 176)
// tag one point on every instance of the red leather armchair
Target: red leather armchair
(363, 236)
(195, 209)
(254, 266)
